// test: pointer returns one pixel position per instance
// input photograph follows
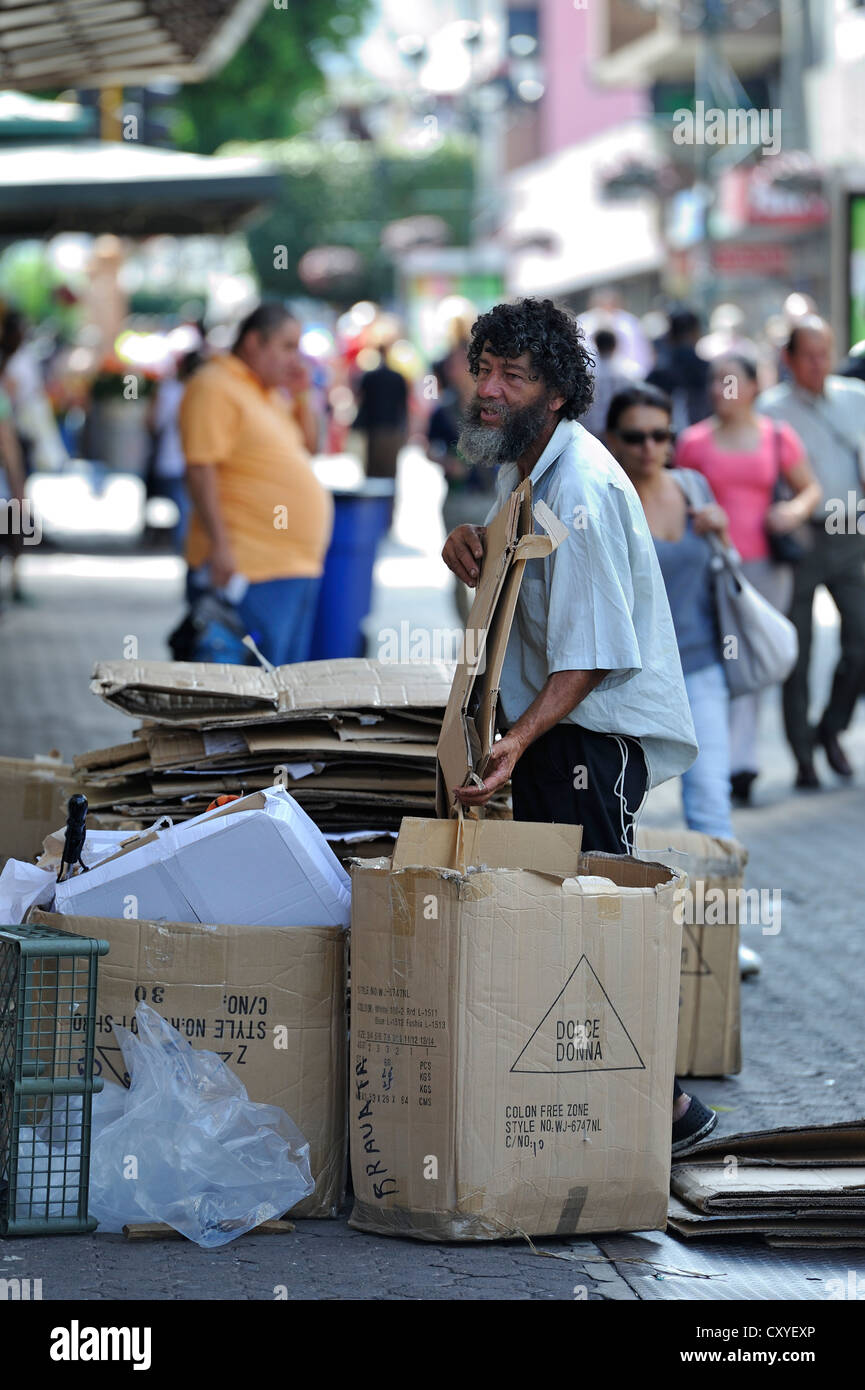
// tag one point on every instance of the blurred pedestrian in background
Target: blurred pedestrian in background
(470, 487)
(726, 336)
(828, 413)
(382, 396)
(609, 377)
(21, 379)
(167, 473)
(639, 435)
(680, 372)
(746, 459)
(262, 521)
(11, 493)
(606, 310)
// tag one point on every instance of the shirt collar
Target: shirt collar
(239, 369)
(811, 397)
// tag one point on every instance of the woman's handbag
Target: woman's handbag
(759, 646)
(792, 546)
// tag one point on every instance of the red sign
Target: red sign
(743, 258)
(751, 197)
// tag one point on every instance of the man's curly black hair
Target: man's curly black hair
(553, 338)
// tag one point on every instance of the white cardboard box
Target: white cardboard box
(259, 861)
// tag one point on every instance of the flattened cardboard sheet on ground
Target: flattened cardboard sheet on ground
(469, 724)
(841, 1143)
(722, 1186)
(832, 1224)
(783, 1183)
(194, 693)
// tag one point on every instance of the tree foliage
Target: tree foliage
(256, 95)
(344, 194)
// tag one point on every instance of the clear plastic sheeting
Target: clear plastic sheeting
(189, 1147)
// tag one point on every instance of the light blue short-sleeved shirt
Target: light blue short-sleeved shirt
(832, 429)
(598, 603)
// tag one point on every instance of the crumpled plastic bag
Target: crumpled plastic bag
(190, 1148)
(23, 886)
(48, 1171)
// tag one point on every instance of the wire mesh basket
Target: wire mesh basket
(47, 1027)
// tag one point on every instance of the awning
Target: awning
(97, 43)
(126, 188)
(24, 117)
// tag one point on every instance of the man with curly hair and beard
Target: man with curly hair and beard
(592, 703)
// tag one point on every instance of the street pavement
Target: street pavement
(801, 1017)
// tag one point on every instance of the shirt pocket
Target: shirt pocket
(531, 618)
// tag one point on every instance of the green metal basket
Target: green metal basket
(47, 1027)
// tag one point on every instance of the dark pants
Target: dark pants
(839, 563)
(382, 450)
(570, 776)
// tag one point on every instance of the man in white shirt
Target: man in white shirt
(592, 699)
(828, 414)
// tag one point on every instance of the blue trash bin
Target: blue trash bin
(362, 517)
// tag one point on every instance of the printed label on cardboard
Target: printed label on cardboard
(581, 1031)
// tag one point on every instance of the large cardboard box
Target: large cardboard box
(513, 1035)
(269, 1000)
(33, 797)
(709, 997)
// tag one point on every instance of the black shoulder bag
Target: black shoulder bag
(791, 547)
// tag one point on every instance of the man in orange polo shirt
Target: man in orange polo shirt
(261, 521)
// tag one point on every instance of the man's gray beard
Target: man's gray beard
(489, 445)
(482, 444)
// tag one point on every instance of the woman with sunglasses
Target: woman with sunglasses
(744, 456)
(640, 438)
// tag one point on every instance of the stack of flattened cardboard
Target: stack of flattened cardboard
(794, 1187)
(354, 741)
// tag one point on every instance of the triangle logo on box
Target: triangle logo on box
(581, 1031)
(693, 960)
(110, 1059)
